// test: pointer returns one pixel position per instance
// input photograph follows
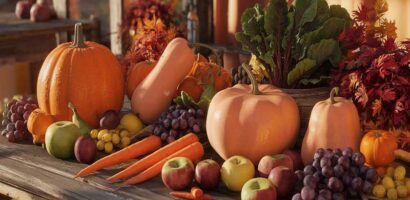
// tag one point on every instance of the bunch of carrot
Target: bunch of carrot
(151, 165)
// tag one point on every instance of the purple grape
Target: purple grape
(196, 128)
(338, 196)
(309, 170)
(170, 139)
(327, 171)
(310, 181)
(344, 161)
(367, 187)
(10, 137)
(347, 179)
(326, 194)
(337, 152)
(173, 133)
(27, 136)
(308, 193)
(13, 109)
(357, 184)
(358, 159)
(335, 185)
(164, 136)
(318, 154)
(26, 115)
(166, 123)
(191, 111)
(371, 175)
(11, 103)
(338, 170)
(185, 115)
(200, 113)
(300, 175)
(169, 116)
(172, 107)
(183, 124)
(297, 196)
(175, 113)
(334, 159)
(20, 110)
(9, 115)
(325, 162)
(10, 127)
(316, 163)
(317, 175)
(354, 171)
(175, 124)
(328, 153)
(157, 130)
(347, 152)
(19, 135)
(352, 192)
(191, 121)
(15, 117)
(19, 125)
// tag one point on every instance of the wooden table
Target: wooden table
(28, 172)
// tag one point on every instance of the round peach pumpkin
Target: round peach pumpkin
(84, 73)
(137, 74)
(378, 147)
(252, 121)
(37, 125)
(333, 123)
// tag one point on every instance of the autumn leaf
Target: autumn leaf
(361, 96)
(376, 107)
(405, 59)
(388, 95)
(389, 28)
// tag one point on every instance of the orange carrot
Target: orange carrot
(155, 157)
(147, 145)
(194, 152)
(183, 195)
(197, 192)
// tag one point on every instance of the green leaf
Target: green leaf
(301, 68)
(330, 29)
(314, 81)
(321, 51)
(206, 97)
(289, 30)
(338, 11)
(252, 20)
(305, 12)
(276, 19)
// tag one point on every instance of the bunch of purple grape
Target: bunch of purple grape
(16, 114)
(335, 174)
(177, 121)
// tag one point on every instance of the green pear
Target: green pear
(85, 128)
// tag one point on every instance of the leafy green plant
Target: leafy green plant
(297, 43)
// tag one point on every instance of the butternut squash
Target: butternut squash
(155, 93)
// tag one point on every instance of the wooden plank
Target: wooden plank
(116, 9)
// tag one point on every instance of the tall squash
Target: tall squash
(84, 73)
(333, 123)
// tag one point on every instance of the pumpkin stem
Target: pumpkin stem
(255, 89)
(335, 91)
(78, 40)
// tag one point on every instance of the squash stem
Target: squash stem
(255, 89)
(335, 91)
(78, 40)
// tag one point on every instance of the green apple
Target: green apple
(235, 171)
(258, 189)
(60, 139)
(178, 173)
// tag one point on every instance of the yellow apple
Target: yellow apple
(236, 171)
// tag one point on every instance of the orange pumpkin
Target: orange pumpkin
(207, 72)
(137, 74)
(252, 121)
(37, 125)
(192, 87)
(378, 147)
(333, 123)
(84, 73)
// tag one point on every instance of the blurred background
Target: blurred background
(112, 23)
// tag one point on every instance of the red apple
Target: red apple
(296, 158)
(85, 149)
(23, 9)
(178, 173)
(284, 179)
(267, 163)
(207, 174)
(258, 189)
(40, 12)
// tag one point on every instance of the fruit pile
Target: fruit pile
(335, 174)
(15, 115)
(394, 184)
(177, 121)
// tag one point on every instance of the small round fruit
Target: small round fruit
(85, 149)
(106, 137)
(125, 141)
(379, 191)
(402, 191)
(100, 145)
(124, 133)
(110, 120)
(408, 185)
(10, 137)
(308, 193)
(131, 122)
(297, 196)
(94, 133)
(116, 139)
(399, 173)
(108, 147)
(390, 171)
(392, 194)
(101, 133)
(388, 182)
